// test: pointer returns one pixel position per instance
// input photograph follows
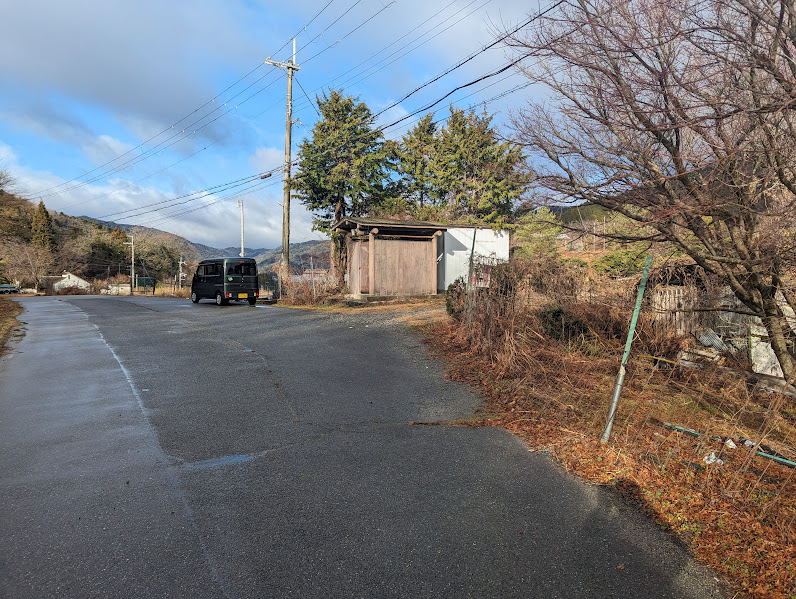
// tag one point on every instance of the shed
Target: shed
(69, 280)
(401, 258)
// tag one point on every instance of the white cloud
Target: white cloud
(7, 156)
(103, 148)
(267, 159)
(103, 77)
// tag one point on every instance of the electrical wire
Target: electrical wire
(368, 20)
(384, 66)
(208, 190)
(350, 8)
(45, 192)
(306, 96)
(171, 203)
(471, 57)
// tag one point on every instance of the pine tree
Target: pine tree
(42, 228)
(118, 235)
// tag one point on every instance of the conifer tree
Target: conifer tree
(118, 235)
(342, 168)
(416, 156)
(477, 175)
(42, 228)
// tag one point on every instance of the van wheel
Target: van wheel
(220, 301)
(194, 297)
(252, 301)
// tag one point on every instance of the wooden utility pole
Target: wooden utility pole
(291, 66)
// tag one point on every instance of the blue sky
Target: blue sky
(113, 109)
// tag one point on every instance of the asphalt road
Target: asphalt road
(155, 448)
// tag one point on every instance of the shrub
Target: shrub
(454, 298)
(621, 263)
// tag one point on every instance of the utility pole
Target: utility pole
(291, 66)
(131, 243)
(181, 273)
(240, 205)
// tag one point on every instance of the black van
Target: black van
(225, 279)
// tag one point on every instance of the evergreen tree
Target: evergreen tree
(42, 228)
(415, 159)
(477, 175)
(342, 169)
(119, 236)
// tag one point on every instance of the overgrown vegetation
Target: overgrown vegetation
(544, 343)
(308, 291)
(36, 243)
(9, 310)
(678, 116)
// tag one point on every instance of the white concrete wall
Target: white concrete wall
(453, 260)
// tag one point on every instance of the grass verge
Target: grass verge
(736, 513)
(9, 310)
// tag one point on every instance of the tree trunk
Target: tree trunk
(339, 257)
(776, 326)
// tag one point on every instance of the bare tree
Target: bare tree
(26, 262)
(680, 116)
(7, 181)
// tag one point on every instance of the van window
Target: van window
(208, 270)
(246, 268)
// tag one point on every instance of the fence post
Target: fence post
(468, 286)
(620, 379)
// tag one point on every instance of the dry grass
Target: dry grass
(9, 310)
(548, 372)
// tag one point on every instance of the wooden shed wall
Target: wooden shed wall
(358, 264)
(405, 267)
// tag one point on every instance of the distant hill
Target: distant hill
(95, 249)
(300, 254)
(266, 258)
(182, 245)
(206, 251)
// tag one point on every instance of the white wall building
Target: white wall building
(453, 260)
(70, 280)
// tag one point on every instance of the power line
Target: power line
(44, 192)
(350, 8)
(182, 134)
(471, 57)
(228, 185)
(258, 185)
(405, 45)
(308, 98)
(167, 217)
(373, 16)
(278, 170)
(131, 183)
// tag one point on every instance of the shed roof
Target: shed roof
(390, 226)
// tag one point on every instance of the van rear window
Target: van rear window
(247, 268)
